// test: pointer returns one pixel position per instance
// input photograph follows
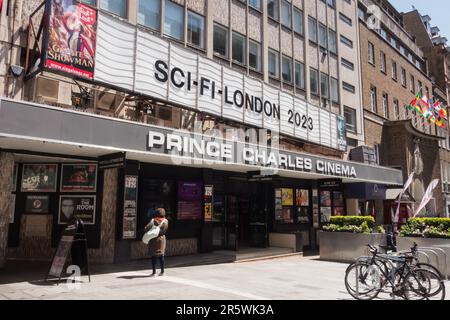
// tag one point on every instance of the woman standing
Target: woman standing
(157, 246)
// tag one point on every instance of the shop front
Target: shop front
(112, 173)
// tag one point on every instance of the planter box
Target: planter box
(405, 243)
(346, 246)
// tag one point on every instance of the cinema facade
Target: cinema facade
(268, 169)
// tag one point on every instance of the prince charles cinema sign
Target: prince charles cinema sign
(72, 34)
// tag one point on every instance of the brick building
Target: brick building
(435, 49)
(394, 68)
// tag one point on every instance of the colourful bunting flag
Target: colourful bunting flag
(433, 112)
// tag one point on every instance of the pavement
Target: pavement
(194, 278)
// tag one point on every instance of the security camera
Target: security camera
(16, 70)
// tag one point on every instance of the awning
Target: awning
(44, 129)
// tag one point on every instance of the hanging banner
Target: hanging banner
(72, 38)
(427, 196)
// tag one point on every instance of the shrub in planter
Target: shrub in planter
(355, 224)
(426, 227)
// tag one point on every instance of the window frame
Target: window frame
(277, 63)
(244, 43)
(227, 42)
(203, 35)
(183, 24)
(259, 56)
(352, 127)
(317, 80)
(126, 13)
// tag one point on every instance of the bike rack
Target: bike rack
(441, 259)
(432, 255)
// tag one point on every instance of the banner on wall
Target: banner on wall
(72, 36)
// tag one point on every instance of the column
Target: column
(6, 174)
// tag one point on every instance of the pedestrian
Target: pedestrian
(157, 246)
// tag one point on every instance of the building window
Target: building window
(371, 53)
(314, 80)
(332, 3)
(347, 64)
(396, 110)
(312, 25)
(92, 3)
(361, 14)
(286, 14)
(221, 40)
(403, 77)
(287, 69)
(428, 92)
(402, 50)
(117, 7)
(383, 61)
(300, 75)
(346, 19)
(373, 99)
(273, 9)
(382, 33)
(334, 90)
(196, 30)
(324, 85)
(346, 41)
(350, 119)
(386, 105)
(420, 84)
(348, 87)
(238, 48)
(174, 20)
(298, 21)
(412, 85)
(254, 55)
(394, 43)
(323, 36)
(149, 14)
(394, 70)
(332, 41)
(273, 64)
(255, 4)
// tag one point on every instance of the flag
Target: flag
(405, 187)
(427, 196)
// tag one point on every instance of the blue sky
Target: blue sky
(438, 10)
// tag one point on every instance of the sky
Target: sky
(438, 10)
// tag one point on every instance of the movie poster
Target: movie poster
(79, 178)
(287, 196)
(325, 198)
(72, 38)
(39, 177)
(37, 204)
(302, 197)
(130, 208)
(82, 207)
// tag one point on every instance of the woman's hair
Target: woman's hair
(161, 213)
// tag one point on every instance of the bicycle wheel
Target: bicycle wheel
(437, 290)
(417, 284)
(363, 281)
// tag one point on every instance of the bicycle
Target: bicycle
(407, 279)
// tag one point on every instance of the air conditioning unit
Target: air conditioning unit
(52, 91)
(108, 101)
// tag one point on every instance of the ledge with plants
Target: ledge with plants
(352, 224)
(426, 228)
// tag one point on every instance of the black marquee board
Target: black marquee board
(73, 240)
